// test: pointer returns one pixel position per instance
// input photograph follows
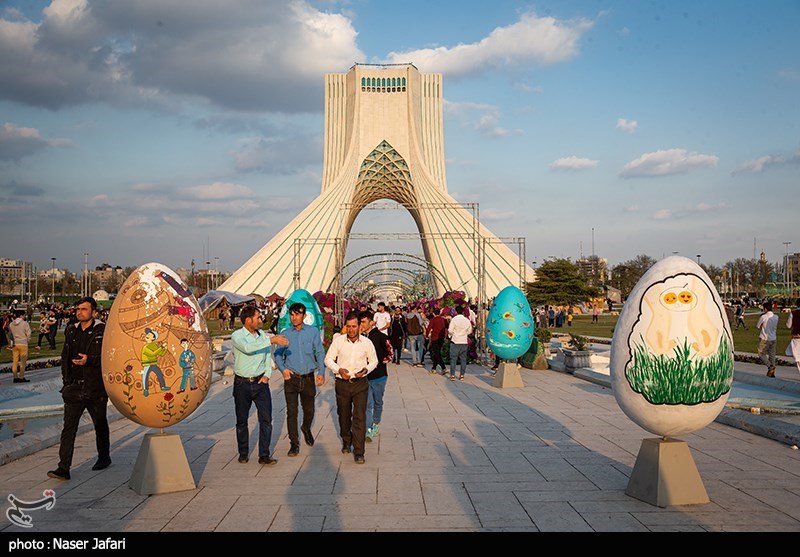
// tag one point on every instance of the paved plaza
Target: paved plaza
(553, 456)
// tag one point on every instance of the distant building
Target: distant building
(15, 275)
(106, 277)
(594, 269)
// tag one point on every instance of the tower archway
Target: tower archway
(383, 143)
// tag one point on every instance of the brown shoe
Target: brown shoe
(771, 372)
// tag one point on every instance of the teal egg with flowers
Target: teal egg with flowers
(509, 324)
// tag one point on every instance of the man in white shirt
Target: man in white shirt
(352, 357)
(767, 326)
(383, 319)
(459, 331)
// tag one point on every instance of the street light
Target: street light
(53, 272)
(698, 259)
(216, 272)
(786, 268)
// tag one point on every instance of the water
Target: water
(11, 428)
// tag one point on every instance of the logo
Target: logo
(16, 514)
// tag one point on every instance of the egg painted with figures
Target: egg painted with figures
(156, 349)
(671, 361)
(313, 313)
(509, 324)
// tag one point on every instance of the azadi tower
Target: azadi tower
(384, 141)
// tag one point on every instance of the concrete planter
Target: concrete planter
(576, 359)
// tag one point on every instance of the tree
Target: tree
(624, 276)
(559, 282)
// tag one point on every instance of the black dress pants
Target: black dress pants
(436, 354)
(304, 388)
(351, 406)
(73, 410)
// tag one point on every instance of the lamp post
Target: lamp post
(786, 268)
(698, 259)
(216, 272)
(208, 272)
(53, 273)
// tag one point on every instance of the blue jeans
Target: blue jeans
(244, 394)
(415, 344)
(375, 401)
(458, 351)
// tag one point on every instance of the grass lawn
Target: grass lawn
(744, 340)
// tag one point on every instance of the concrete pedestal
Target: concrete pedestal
(665, 475)
(507, 376)
(162, 466)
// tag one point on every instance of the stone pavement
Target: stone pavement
(553, 456)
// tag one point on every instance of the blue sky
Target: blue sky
(166, 130)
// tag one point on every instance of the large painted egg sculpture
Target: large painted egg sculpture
(672, 353)
(509, 324)
(156, 349)
(313, 313)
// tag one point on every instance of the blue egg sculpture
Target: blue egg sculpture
(313, 313)
(509, 325)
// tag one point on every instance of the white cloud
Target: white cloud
(627, 126)
(18, 142)
(137, 222)
(631, 209)
(533, 39)
(758, 165)
(667, 162)
(208, 222)
(790, 74)
(240, 54)
(279, 156)
(491, 214)
(217, 191)
(664, 214)
(624, 32)
(519, 86)
(573, 163)
(486, 121)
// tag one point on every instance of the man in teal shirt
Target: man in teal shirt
(302, 363)
(252, 368)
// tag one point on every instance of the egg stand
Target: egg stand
(665, 474)
(507, 376)
(162, 466)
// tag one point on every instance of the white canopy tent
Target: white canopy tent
(213, 298)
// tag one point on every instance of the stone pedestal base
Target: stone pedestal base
(665, 475)
(162, 466)
(507, 376)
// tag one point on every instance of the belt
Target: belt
(302, 374)
(352, 379)
(255, 379)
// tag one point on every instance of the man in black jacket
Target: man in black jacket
(83, 387)
(377, 379)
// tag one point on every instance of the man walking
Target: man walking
(302, 363)
(20, 337)
(415, 328)
(377, 379)
(768, 335)
(252, 369)
(83, 387)
(352, 357)
(459, 331)
(383, 319)
(435, 333)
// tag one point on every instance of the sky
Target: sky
(180, 130)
